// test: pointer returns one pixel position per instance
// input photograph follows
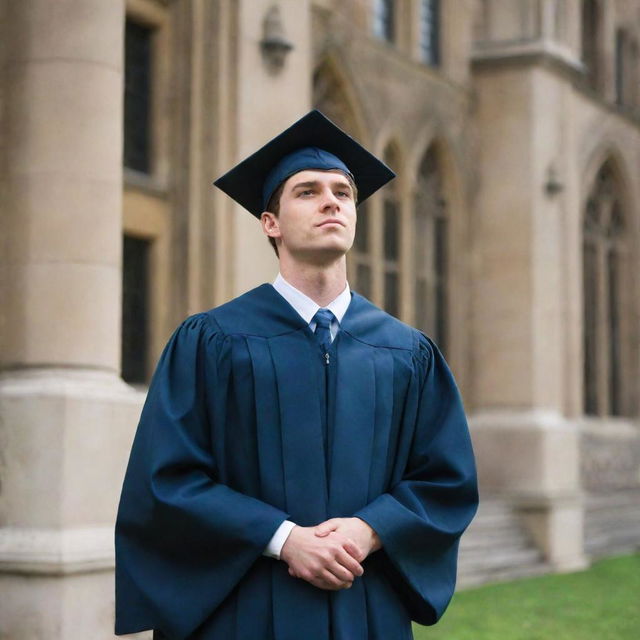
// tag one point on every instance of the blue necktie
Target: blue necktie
(323, 320)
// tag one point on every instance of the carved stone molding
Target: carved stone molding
(56, 551)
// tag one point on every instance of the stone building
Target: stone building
(511, 235)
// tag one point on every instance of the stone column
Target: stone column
(283, 95)
(526, 440)
(66, 418)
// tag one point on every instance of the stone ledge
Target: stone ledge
(514, 419)
(68, 381)
(37, 551)
(526, 51)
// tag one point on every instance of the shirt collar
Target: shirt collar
(305, 306)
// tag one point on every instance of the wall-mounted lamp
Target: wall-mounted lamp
(274, 44)
(553, 185)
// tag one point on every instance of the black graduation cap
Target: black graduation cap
(313, 142)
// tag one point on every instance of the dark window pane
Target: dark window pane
(590, 320)
(441, 282)
(363, 280)
(391, 293)
(137, 96)
(615, 381)
(421, 242)
(430, 31)
(441, 249)
(391, 230)
(383, 19)
(135, 309)
(422, 305)
(591, 217)
(361, 242)
(440, 334)
(590, 41)
(430, 245)
(616, 226)
(620, 67)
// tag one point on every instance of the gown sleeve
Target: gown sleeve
(420, 520)
(183, 540)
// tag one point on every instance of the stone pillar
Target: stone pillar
(66, 418)
(526, 442)
(274, 99)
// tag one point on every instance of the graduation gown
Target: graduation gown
(246, 424)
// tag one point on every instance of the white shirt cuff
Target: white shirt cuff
(279, 538)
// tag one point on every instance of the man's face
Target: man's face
(317, 218)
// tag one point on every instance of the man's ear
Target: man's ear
(270, 224)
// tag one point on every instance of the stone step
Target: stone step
(612, 522)
(473, 544)
(494, 531)
(468, 579)
(629, 512)
(614, 538)
(501, 558)
(496, 547)
(621, 496)
(471, 550)
(493, 503)
(487, 543)
(494, 507)
(632, 533)
(483, 521)
(602, 530)
(492, 527)
(597, 521)
(507, 528)
(597, 524)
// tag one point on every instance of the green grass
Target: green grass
(602, 603)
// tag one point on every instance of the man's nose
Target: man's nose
(330, 201)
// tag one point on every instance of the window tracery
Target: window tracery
(605, 284)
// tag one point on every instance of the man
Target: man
(302, 468)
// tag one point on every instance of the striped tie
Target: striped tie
(323, 320)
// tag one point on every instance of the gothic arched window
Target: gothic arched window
(430, 251)
(606, 289)
(391, 227)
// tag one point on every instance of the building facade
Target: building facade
(511, 235)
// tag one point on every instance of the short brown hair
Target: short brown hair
(274, 204)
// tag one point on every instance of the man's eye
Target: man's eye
(306, 192)
(344, 194)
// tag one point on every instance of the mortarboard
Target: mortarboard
(313, 142)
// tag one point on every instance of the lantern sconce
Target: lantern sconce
(553, 185)
(274, 44)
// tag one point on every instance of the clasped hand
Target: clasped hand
(329, 555)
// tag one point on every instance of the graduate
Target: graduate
(302, 469)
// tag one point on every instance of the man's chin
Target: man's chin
(321, 255)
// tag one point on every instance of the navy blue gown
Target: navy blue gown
(246, 425)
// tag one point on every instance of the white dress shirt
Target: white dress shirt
(306, 309)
